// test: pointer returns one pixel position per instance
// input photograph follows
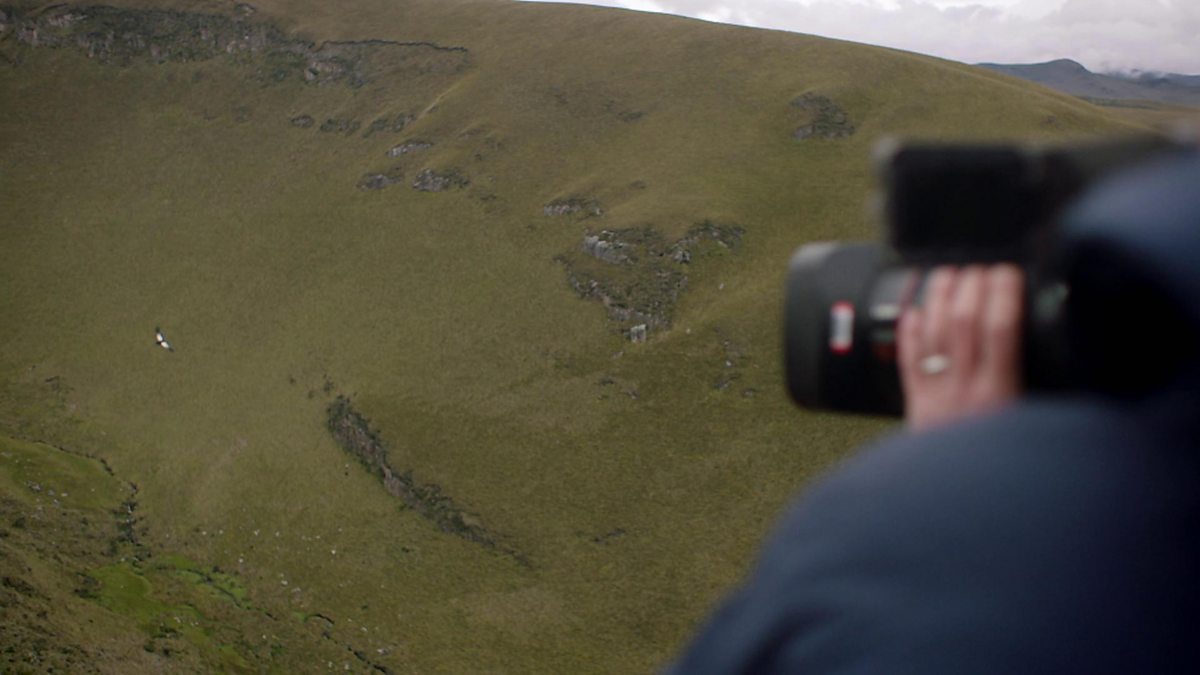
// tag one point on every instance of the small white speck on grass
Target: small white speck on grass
(333, 551)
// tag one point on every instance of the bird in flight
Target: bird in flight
(161, 340)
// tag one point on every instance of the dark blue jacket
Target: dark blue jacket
(1060, 536)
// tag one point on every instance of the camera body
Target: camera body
(942, 204)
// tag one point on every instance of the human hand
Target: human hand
(960, 353)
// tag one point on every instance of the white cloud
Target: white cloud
(1155, 35)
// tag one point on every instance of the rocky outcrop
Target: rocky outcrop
(638, 276)
(121, 36)
(353, 433)
(439, 181)
(571, 206)
(607, 246)
(825, 118)
(408, 147)
(378, 181)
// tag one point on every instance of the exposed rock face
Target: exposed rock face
(574, 206)
(378, 181)
(637, 275)
(409, 147)
(607, 246)
(827, 118)
(439, 181)
(353, 433)
(120, 36)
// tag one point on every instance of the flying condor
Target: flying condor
(161, 340)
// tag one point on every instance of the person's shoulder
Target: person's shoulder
(1057, 533)
(1041, 454)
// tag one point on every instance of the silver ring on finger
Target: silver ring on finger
(935, 364)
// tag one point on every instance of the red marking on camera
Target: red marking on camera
(841, 327)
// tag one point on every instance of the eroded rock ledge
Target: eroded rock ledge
(353, 433)
(121, 36)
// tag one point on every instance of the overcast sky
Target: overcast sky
(1104, 35)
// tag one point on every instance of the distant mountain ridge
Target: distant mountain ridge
(1073, 78)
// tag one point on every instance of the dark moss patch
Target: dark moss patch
(19, 585)
(339, 126)
(388, 124)
(609, 537)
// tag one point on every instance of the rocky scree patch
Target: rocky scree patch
(638, 276)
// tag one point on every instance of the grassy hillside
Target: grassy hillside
(557, 497)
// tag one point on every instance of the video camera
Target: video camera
(946, 204)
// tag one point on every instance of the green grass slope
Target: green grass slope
(176, 180)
